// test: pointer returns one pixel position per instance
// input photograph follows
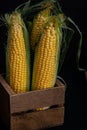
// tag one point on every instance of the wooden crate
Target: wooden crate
(18, 111)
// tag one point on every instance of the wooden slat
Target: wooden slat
(18, 110)
(38, 120)
(39, 98)
(6, 86)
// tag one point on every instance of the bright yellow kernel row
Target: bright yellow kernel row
(45, 60)
(37, 28)
(16, 55)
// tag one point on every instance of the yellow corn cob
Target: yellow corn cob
(16, 57)
(37, 27)
(46, 56)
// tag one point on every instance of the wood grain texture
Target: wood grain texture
(6, 86)
(38, 120)
(18, 111)
(34, 99)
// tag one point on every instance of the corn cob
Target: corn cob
(37, 27)
(17, 54)
(47, 56)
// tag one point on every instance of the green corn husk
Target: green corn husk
(30, 9)
(28, 58)
(79, 44)
(68, 33)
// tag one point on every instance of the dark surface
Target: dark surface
(76, 92)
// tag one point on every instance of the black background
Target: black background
(76, 92)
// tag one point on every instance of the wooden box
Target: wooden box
(18, 111)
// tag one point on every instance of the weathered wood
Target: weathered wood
(38, 120)
(6, 86)
(34, 99)
(18, 110)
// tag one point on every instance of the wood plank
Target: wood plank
(18, 110)
(38, 120)
(6, 86)
(38, 98)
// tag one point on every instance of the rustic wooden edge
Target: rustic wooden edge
(11, 92)
(34, 99)
(6, 86)
(38, 120)
(14, 105)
